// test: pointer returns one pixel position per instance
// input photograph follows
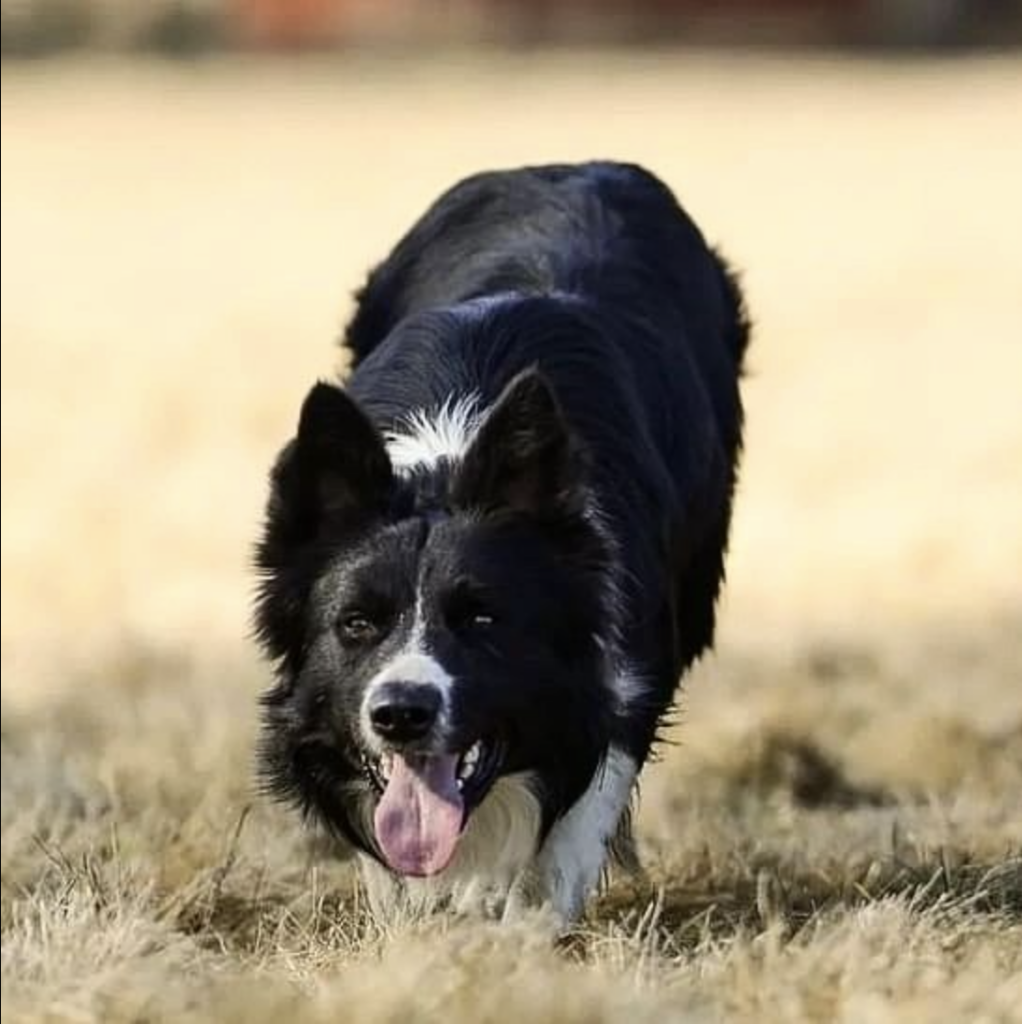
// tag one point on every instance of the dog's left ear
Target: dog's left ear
(524, 457)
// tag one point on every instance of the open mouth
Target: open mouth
(425, 800)
(474, 772)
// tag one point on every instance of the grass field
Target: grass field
(835, 831)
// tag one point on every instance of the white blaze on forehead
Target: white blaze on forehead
(413, 664)
(424, 438)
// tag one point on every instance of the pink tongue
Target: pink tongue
(418, 819)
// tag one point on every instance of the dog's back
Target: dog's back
(603, 230)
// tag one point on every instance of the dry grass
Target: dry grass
(838, 831)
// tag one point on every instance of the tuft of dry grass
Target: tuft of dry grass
(833, 829)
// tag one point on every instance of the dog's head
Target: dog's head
(435, 627)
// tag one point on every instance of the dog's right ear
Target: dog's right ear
(336, 471)
(333, 477)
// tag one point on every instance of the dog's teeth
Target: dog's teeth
(470, 761)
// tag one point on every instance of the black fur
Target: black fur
(588, 517)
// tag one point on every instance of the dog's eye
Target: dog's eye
(469, 609)
(470, 619)
(357, 628)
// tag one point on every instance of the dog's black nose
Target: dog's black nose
(403, 712)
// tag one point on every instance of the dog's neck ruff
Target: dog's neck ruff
(424, 438)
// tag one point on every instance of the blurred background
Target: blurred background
(191, 26)
(192, 191)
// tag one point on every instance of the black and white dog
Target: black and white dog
(487, 561)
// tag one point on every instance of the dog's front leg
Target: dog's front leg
(575, 852)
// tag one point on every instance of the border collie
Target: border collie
(489, 558)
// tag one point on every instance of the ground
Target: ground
(834, 830)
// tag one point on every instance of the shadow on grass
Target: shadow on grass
(776, 896)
